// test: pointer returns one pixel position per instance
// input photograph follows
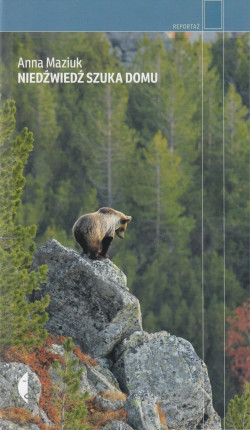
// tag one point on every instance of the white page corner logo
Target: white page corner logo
(23, 387)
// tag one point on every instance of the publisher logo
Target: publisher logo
(23, 387)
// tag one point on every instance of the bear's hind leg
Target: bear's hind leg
(94, 250)
(105, 246)
(81, 241)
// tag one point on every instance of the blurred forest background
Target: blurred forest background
(138, 148)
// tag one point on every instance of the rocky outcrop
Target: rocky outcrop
(165, 370)
(164, 379)
(89, 300)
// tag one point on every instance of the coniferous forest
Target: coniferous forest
(173, 154)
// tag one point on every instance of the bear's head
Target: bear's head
(124, 220)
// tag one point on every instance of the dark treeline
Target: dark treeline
(139, 148)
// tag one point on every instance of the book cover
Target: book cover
(124, 121)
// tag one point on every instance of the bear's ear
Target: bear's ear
(127, 219)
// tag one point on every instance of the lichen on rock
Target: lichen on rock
(89, 300)
(167, 370)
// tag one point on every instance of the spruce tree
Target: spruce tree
(22, 322)
(238, 413)
(68, 399)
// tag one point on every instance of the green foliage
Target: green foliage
(68, 399)
(105, 109)
(238, 412)
(22, 320)
(236, 69)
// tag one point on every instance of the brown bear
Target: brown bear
(95, 231)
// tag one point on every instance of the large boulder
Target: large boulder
(89, 300)
(160, 369)
(19, 386)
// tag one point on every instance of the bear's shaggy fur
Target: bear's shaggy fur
(95, 231)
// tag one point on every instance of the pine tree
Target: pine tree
(22, 320)
(237, 126)
(235, 48)
(106, 113)
(163, 187)
(238, 413)
(68, 400)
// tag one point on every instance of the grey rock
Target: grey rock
(89, 300)
(7, 425)
(106, 363)
(117, 425)
(107, 374)
(45, 419)
(94, 379)
(101, 380)
(10, 375)
(142, 412)
(84, 382)
(56, 349)
(169, 370)
(107, 404)
(138, 338)
(85, 386)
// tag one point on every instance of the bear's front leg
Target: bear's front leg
(105, 246)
